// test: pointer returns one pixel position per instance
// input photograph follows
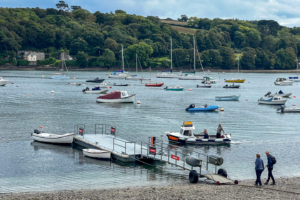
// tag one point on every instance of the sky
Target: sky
(285, 12)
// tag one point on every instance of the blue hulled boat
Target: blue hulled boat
(192, 108)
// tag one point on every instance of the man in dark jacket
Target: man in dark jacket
(270, 169)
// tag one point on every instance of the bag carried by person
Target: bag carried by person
(273, 160)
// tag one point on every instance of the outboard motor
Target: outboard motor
(282, 107)
(83, 90)
(191, 106)
(166, 88)
(36, 131)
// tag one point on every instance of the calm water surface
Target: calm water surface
(31, 166)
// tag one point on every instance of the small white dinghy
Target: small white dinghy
(96, 153)
(95, 90)
(283, 109)
(52, 138)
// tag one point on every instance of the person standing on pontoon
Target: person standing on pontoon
(219, 130)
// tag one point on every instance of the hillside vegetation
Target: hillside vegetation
(95, 39)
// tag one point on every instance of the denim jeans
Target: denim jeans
(270, 175)
(258, 174)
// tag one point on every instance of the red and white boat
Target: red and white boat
(154, 84)
(116, 97)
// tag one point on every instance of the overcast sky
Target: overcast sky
(286, 12)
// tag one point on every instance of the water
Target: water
(31, 166)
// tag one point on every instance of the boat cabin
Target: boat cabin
(280, 79)
(187, 129)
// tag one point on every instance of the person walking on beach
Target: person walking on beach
(219, 129)
(271, 162)
(259, 168)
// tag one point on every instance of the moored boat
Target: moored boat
(96, 153)
(272, 100)
(283, 109)
(96, 80)
(154, 84)
(236, 80)
(203, 86)
(75, 84)
(280, 94)
(283, 82)
(52, 138)
(227, 98)
(116, 97)
(232, 86)
(209, 80)
(186, 135)
(175, 88)
(120, 84)
(192, 108)
(3, 82)
(95, 90)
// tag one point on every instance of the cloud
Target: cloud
(284, 11)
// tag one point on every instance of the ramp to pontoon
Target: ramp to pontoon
(218, 178)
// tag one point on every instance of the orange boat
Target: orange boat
(154, 85)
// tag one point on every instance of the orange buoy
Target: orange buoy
(41, 127)
(190, 89)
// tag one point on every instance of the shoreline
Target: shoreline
(285, 188)
(75, 68)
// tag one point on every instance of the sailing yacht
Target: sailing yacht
(168, 74)
(135, 77)
(192, 77)
(61, 74)
(120, 74)
(295, 78)
(236, 80)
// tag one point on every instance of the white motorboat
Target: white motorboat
(272, 100)
(228, 98)
(209, 80)
(283, 109)
(96, 153)
(116, 97)
(279, 94)
(52, 138)
(3, 82)
(169, 74)
(102, 85)
(283, 82)
(95, 90)
(187, 136)
(75, 84)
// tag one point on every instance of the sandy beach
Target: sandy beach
(285, 188)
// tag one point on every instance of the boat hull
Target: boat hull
(203, 86)
(129, 99)
(3, 82)
(154, 85)
(53, 138)
(191, 78)
(135, 78)
(281, 102)
(95, 81)
(203, 109)
(228, 98)
(95, 153)
(117, 77)
(290, 110)
(285, 83)
(60, 77)
(96, 92)
(199, 140)
(235, 81)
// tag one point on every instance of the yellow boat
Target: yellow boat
(235, 80)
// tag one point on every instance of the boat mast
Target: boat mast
(297, 64)
(62, 62)
(122, 59)
(194, 56)
(238, 64)
(171, 56)
(136, 62)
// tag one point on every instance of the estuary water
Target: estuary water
(31, 166)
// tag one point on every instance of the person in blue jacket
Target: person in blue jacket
(270, 169)
(259, 168)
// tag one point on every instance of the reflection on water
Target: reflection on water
(32, 166)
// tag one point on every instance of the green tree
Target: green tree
(108, 58)
(228, 58)
(248, 59)
(111, 44)
(82, 59)
(78, 44)
(193, 21)
(142, 49)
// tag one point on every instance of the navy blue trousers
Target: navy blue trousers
(258, 174)
(270, 175)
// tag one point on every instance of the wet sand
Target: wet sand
(285, 188)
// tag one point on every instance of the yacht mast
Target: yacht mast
(136, 62)
(194, 56)
(238, 64)
(122, 59)
(171, 56)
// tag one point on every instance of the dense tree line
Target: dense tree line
(95, 39)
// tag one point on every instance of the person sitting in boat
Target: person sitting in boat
(219, 130)
(280, 92)
(205, 132)
(87, 89)
(205, 106)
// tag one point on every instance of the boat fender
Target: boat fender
(193, 161)
(193, 176)
(223, 172)
(216, 160)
